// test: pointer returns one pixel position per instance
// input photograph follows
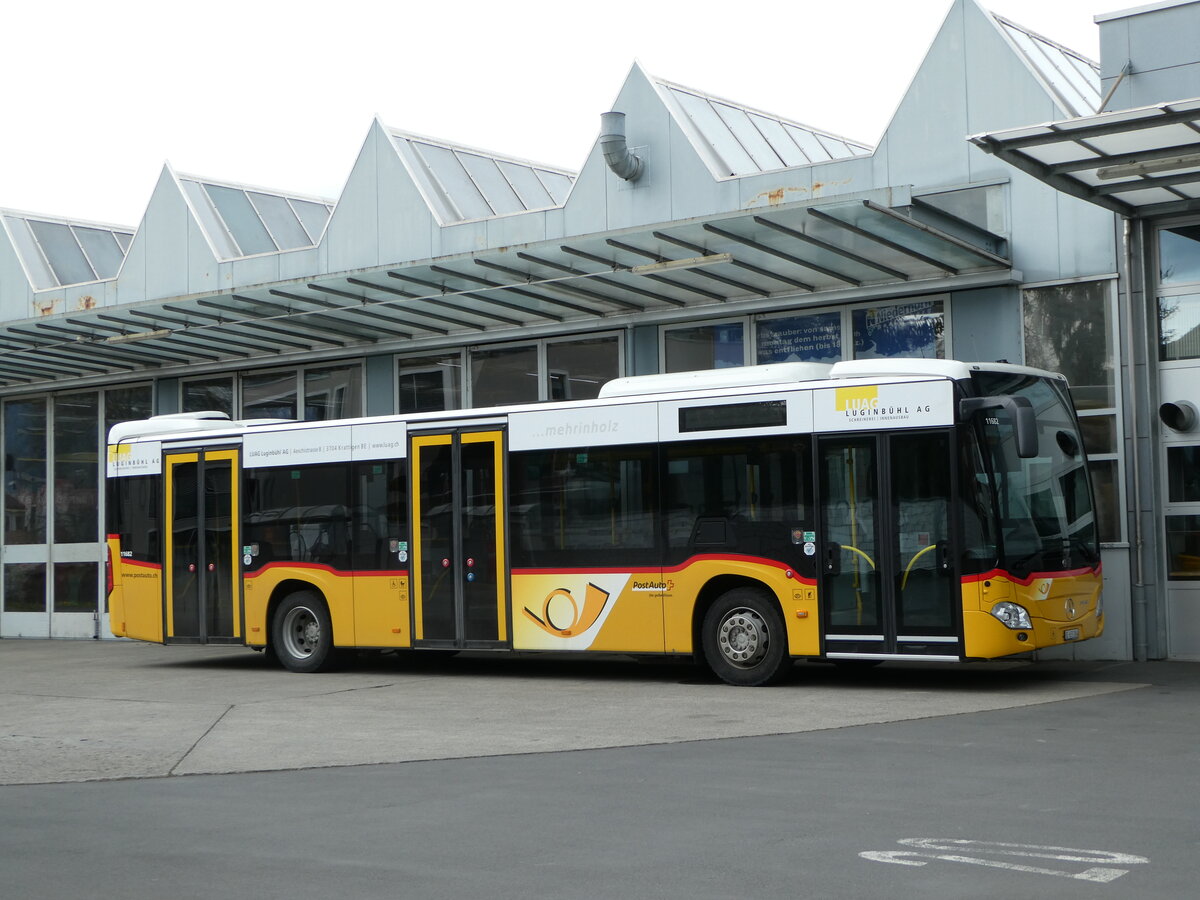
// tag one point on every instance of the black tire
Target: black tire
(302, 633)
(745, 640)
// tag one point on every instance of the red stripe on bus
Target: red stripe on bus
(1032, 576)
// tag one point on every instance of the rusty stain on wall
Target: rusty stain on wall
(87, 301)
(777, 196)
(780, 195)
(45, 307)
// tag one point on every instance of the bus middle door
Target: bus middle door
(459, 566)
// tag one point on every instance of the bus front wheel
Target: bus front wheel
(302, 634)
(744, 638)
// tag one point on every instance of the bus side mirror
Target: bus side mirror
(1023, 418)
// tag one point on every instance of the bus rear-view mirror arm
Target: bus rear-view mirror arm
(1021, 411)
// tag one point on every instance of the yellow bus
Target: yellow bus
(871, 510)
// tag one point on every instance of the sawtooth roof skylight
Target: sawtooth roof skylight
(462, 183)
(59, 252)
(1073, 78)
(243, 221)
(747, 141)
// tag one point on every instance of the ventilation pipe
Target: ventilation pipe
(616, 152)
(1178, 415)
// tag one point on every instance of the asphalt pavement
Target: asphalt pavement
(140, 771)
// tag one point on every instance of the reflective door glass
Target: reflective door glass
(921, 479)
(479, 538)
(851, 587)
(435, 536)
(184, 604)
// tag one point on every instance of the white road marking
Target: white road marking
(1096, 873)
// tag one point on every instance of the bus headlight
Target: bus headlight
(1012, 615)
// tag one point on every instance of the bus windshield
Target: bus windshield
(1044, 504)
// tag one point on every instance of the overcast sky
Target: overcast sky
(281, 94)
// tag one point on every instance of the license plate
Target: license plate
(1071, 634)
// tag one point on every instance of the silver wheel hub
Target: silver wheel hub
(301, 632)
(743, 638)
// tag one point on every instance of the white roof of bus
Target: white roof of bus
(208, 426)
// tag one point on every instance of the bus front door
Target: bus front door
(887, 541)
(459, 568)
(202, 551)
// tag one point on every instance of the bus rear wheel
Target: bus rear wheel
(302, 633)
(744, 638)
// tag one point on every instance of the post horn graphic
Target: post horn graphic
(564, 619)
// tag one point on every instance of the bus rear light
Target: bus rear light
(1012, 615)
(108, 573)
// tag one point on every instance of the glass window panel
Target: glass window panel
(269, 395)
(807, 141)
(556, 183)
(298, 514)
(704, 347)
(206, 214)
(781, 141)
(314, 216)
(76, 467)
(503, 376)
(749, 136)
(134, 512)
(280, 221)
(62, 252)
(1179, 327)
(126, 405)
(1179, 254)
(837, 148)
(1183, 474)
(39, 272)
(578, 369)
(453, 178)
(1099, 433)
(124, 240)
(430, 383)
(333, 393)
(25, 472)
(211, 394)
(579, 507)
(803, 338)
(528, 186)
(909, 329)
(380, 515)
(241, 219)
(76, 587)
(1183, 547)
(25, 587)
(1068, 330)
(714, 130)
(102, 249)
(495, 189)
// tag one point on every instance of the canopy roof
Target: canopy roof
(819, 249)
(1137, 162)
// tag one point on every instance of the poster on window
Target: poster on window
(814, 338)
(912, 330)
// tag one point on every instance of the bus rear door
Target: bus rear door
(459, 566)
(203, 558)
(888, 586)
